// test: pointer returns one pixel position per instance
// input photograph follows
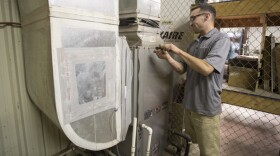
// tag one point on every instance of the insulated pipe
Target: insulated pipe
(133, 136)
(150, 130)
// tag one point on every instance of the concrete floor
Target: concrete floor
(246, 132)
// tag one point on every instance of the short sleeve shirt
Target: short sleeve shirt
(202, 93)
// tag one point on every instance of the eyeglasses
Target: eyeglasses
(192, 18)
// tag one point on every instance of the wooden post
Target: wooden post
(265, 55)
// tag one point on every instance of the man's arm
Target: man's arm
(196, 64)
(177, 66)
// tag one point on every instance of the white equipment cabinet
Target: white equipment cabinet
(74, 68)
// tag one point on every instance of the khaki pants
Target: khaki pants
(205, 131)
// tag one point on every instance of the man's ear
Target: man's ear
(206, 17)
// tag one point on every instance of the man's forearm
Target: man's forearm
(177, 66)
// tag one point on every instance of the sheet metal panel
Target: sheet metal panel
(38, 68)
(149, 9)
(176, 30)
(105, 11)
(93, 124)
(12, 135)
(151, 95)
(154, 78)
(75, 76)
(22, 128)
(126, 84)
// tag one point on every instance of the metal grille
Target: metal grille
(250, 122)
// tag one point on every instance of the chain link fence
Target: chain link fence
(250, 122)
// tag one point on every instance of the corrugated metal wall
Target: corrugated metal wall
(24, 130)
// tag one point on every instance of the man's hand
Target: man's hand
(161, 53)
(171, 48)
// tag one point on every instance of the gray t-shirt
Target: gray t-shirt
(202, 93)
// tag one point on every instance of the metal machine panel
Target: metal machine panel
(126, 84)
(105, 11)
(177, 30)
(38, 67)
(142, 38)
(89, 82)
(73, 74)
(151, 95)
(154, 78)
(28, 6)
(159, 138)
(104, 7)
(140, 8)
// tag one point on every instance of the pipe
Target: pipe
(150, 130)
(133, 136)
(109, 152)
(186, 137)
(66, 151)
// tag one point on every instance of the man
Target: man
(234, 46)
(203, 62)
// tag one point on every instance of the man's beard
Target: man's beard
(196, 31)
